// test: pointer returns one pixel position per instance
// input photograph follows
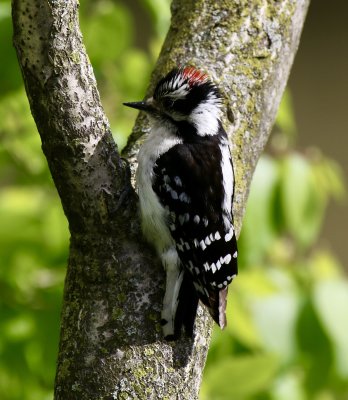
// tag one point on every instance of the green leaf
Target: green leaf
(323, 266)
(303, 204)
(285, 116)
(10, 76)
(107, 30)
(19, 328)
(331, 300)
(240, 323)
(240, 377)
(288, 387)
(275, 318)
(160, 11)
(315, 350)
(329, 177)
(258, 229)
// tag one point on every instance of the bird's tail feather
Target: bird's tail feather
(217, 306)
(187, 307)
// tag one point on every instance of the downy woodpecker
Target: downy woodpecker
(185, 181)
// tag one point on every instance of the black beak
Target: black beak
(141, 105)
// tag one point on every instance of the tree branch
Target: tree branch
(64, 101)
(111, 343)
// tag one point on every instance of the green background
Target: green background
(287, 334)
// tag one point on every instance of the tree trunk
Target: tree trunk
(111, 344)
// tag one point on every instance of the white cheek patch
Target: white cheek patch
(205, 117)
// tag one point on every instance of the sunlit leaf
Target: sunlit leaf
(275, 317)
(240, 322)
(239, 377)
(329, 177)
(255, 282)
(303, 204)
(323, 266)
(19, 328)
(288, 387)
(258, 229)
(285, 117)
(331, 300)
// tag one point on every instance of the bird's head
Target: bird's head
(185, 95)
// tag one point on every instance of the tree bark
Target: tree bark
(111, 344)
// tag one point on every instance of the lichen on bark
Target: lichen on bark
(111, 345)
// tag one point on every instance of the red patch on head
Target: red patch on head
(194, 76)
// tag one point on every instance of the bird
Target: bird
(185, 182)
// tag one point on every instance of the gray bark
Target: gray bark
(111, 344)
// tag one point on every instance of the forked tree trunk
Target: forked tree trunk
(111, 344)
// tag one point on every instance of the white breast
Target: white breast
(153, 214)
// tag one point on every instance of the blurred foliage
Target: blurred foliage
(286, 337)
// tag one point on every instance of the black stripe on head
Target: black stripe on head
(182, 90)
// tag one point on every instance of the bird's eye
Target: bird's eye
(168, 102)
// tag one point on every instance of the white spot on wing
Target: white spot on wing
(228, 258)
(166, 179)
(202, 244)
(196, 219)
(184, 198)
(235, 254)
(217, 235)
(213, 268)
(177, 181)
(229, 235)
(166, 187)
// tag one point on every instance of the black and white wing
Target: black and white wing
(194, 182)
